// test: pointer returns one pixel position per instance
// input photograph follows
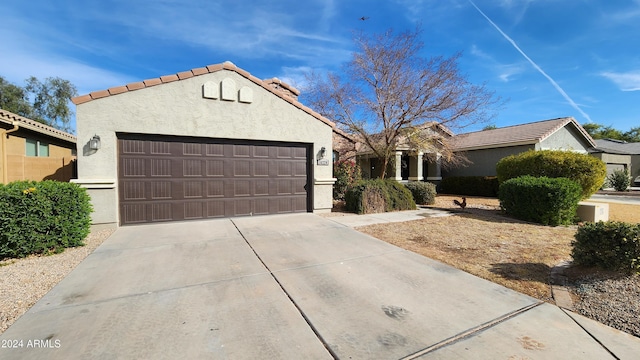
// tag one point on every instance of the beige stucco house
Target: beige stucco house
(485, 148)
(619, 155)
(30, 150)
(210, 142)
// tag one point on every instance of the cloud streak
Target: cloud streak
(538, 68)
(629, 81)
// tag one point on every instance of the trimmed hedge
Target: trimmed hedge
(375, 196)
(424, 193)
(584, 169)
(42, 217)
(470, 185)
(346, 173)
(611, 245)
(548, 201)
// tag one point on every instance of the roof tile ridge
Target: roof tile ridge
(36, 124)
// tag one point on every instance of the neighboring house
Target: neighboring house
(485, 148)
(344, 146)
(409, 164)
(210, 142)
(30, 150)
(619, 155)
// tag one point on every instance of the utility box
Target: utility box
(593, 211)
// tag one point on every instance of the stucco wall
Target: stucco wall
(567, 138)
(483, 162)
(56, 166)
(179, 108)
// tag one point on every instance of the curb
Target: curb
(559, 291)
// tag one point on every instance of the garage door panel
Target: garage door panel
(242, 168)
(171, 179)
(215, 168)
(193, 210)
(192, 167)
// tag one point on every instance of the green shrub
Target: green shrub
(548, 201)
(619, 180)
(611, 245)
(423, 192)
(584, 169)
(42, 217)
(400, 196)
(347, 173)
(374, 196)
(470, 185)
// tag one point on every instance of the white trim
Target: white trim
(95, 183)
(324, 181)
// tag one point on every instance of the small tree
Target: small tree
(389, 94)
(46, 102)
(51, 101)
(347, 173)
(619, 180)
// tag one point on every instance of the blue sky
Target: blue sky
(549, 58)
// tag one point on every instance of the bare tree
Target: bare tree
(390, 94)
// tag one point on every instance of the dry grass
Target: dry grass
(623, 212)
(482, 241)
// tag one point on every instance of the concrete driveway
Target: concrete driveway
(289, 287)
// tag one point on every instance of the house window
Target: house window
(36, 148)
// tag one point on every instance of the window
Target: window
(37, 148)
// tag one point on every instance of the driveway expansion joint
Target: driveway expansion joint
(472, 331)
(298, 308)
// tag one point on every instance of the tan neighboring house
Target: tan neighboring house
(344, 146)
(619, 155)
(485, 148)
(34, 151)
(205, 143)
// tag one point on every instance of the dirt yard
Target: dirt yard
(484, 242)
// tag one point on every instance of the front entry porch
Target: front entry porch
(406, 166)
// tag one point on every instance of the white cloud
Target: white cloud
(505, 71)
(509, 71)
(629, 81)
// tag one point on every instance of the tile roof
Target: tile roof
(524, 134)
(227, 65)
(14, 119)
(617, 147)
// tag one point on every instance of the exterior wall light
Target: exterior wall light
(323, 152)
(94, 143)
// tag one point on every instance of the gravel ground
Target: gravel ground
(24, 281)
(614, 301)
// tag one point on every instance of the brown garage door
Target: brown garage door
(173, 179)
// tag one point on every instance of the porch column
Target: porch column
(416, 172)
(435, 174)
(398, 174)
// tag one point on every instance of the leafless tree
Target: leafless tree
(389, 94)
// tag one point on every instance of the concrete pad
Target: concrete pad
(543, 332)
(400, 216)
(294, 249)
(110, 272)
(246, 318)
(258, 225)
(395, 304)
(170, 233)
(355, 220)
(623, 345)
